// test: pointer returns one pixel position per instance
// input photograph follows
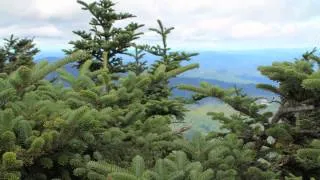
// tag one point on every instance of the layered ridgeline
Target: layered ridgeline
(114, 120)
(249, 87)
(243, 73)
(214, 68)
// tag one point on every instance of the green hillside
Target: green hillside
(199, 121)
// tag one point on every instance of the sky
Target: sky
(199, 24)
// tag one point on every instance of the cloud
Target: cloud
(58, 9)
(198, 24)
(46, 31)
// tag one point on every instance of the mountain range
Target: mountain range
(222, 68)
(226, 66)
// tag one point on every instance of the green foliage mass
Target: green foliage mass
(52, 131)
(15, 53)
(104, 36)
(106, 125)
(284, 142)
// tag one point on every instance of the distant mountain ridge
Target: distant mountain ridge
(227, 66)
(249, 88)
(223, 68)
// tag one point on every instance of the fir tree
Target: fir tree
(138, 66)
(298, 108)
(279, 139)
(160, 91)
(171, 59)
(17, 52)
(55, 130)
(104, 36)
(106, 126)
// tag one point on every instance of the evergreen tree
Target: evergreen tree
(279, 140)
(106, 126)
(52, 131)
(138, 66)
(159, 92)
(297, 115)
(174, 167)
(171, 59)
(15, 53)
(104, 36)
(55, 131)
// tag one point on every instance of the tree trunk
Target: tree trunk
(305, 176)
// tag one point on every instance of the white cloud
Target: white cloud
(48, 31)
(60, 9)
(252, 29)
(199, 24)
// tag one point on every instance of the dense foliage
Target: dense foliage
(287, 142)
(106, 125)
(16, 52)
(104, 37)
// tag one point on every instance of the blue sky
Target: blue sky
(200, 24)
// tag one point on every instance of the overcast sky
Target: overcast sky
(200, 24)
